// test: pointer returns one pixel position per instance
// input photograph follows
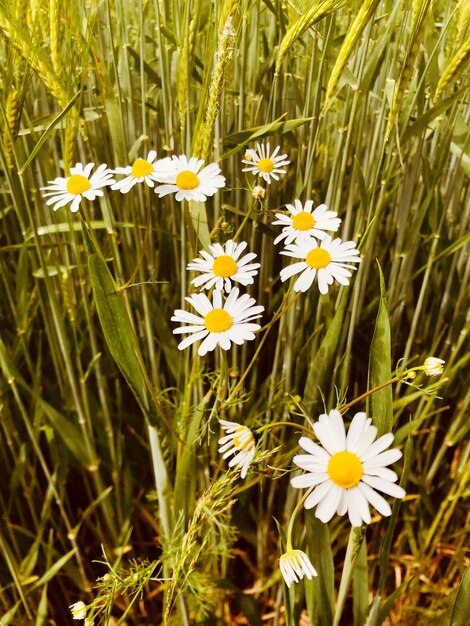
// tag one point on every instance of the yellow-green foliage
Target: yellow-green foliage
(318, 10)
(457, 63)
(355, 30)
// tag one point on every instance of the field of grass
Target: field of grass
(113, 490)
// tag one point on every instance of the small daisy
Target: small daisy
(221, 322)
(348, 469)
(433, 366)
(78, 610)
(266, 165)
(224, 265)
(328, 260)
(294, 565)
(147, 170)
(304, 222)
(78, 185)
(186, 179)
(238, 441)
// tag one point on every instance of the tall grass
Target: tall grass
(113, 490)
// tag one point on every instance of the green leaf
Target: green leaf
(461, 609)
(47, 132)
(323, 361)
(237, 141)
(361, 585)
(380, 404)
(319, 544)
(115, 322)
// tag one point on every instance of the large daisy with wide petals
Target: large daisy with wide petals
(305, 222)
(224, 265)
(327, 260)
(148, 171)
(188, 181)
(262, 162)
(80, 184)
(347, 470)
(218, 323)
(239, 443)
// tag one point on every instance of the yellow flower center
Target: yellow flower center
(345, 469)
(141, 168)
(187, 180)
(248, 441)
(318, 258)
(303, 221)
(77, 184)
(224, 266)
(218, 320)
(265, 165)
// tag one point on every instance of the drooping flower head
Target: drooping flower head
(294, 565)
(327, 260)
(263, 163)
(433, 366)
(78, 610)
(148, 171)
(239, 441)
(224, 265)
(219, 323)
(304, 222)
(188, 181)
(346, 471)
(80, 184)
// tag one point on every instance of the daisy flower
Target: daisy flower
(221, 323)
(329, 260)
(294, 565)
(304, 222)
(78, 185)
(266, 165)
(78, 610)
(433, 366)
(147, 171)
(346, 470)
(239, 441)
(186, 179)
(224, 265)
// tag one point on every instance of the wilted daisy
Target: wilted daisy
(294, 565)
(266, 165)
(148, 171)
(221, 323)
(186, 179)
(304, 222)
(433, 366)
(78, 610)
(224, 265)
(238, 441)
(328, 260)
(348, 469)
(78, 185)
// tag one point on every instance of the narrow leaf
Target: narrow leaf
(379, 404)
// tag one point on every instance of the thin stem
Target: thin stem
(295, 512)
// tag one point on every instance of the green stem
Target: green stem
(356, 537)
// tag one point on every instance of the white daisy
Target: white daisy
(304, 222)
(224, 265)
(294, 565)
(433, 366)
(78, 610)
(347, 470)
(266, 165)
(328, 260)
(186, 179)
(238, 441)
(78, 185)
(147, 171)
(221, 323)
